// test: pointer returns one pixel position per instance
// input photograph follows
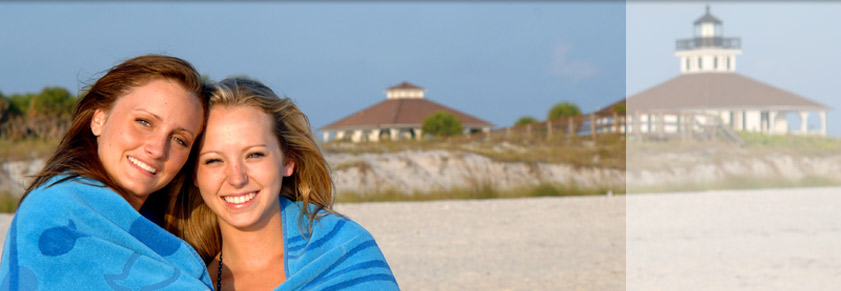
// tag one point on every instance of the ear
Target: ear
(288, 168)
(97, 122)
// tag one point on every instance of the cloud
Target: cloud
(573, 70)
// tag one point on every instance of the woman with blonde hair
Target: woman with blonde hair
(261, 209)
(77, 227)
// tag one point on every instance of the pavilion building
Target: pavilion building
(709, 84)
(400, 116)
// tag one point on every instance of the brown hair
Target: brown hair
(76, 155)
(310, 183)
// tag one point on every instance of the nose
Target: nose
(156, 147)
(236, 175)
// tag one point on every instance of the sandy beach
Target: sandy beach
(774, 239)
(780, 239)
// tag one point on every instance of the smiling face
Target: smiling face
(145, 138)
(241, 167)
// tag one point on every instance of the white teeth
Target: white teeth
(239, 199)
(142, 165)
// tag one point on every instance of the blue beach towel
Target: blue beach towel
(79, 235)
(340, 255)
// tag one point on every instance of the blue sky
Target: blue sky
(790, 45)
(495, 60)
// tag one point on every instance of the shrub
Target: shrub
(442, 124)
(563, 109)
(525, 120)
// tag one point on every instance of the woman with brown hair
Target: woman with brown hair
(78, 226)
(261, 209)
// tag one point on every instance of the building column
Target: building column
(357, 136)
(803, 116)
(823, 123)
(772, 122)
(781, 122)
(374, 135)
(661, 124)
(418, 133)
(395, 133)
(636, 124)
(326, 135)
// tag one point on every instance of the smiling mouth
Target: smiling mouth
(142, 165)
(239, 199)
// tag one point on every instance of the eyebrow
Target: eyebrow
(179, 129)
(246, 149)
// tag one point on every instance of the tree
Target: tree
(563, 109)
(525, 120)
(4, 110)
(18, 104)
(442, 123)
(52, 101)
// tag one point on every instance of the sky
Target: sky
(789, 45)
(498, 61)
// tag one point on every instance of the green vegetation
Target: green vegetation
(52, 101)
(740, 183)
(483, 191)
(525, 120)
(608, 151)
(8, 202)
(441, 123)
(799, 145)
(45, 115)
(563, 109)
(26, 148)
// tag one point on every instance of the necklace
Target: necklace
(219, 275)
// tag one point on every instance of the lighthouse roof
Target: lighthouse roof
(707, 18)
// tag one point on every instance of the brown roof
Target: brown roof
(402, 113)
(405, 85)
(718, 91)
(610, 108)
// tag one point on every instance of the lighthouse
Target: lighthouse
(709, 92)
(708, 51)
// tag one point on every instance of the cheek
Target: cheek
(178, 155)
(208, 180)
(202, 176)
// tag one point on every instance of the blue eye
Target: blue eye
(143, 122)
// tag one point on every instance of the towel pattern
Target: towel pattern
(339, 255)
(77, 234)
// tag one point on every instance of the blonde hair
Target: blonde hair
(310, 183)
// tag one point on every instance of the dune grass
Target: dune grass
(739, 183)
(8, 202)
(608, 151)
(26, 149)
(484, 191)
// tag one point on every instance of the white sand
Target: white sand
(575, 243)
(786, 239)
(780, 239)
